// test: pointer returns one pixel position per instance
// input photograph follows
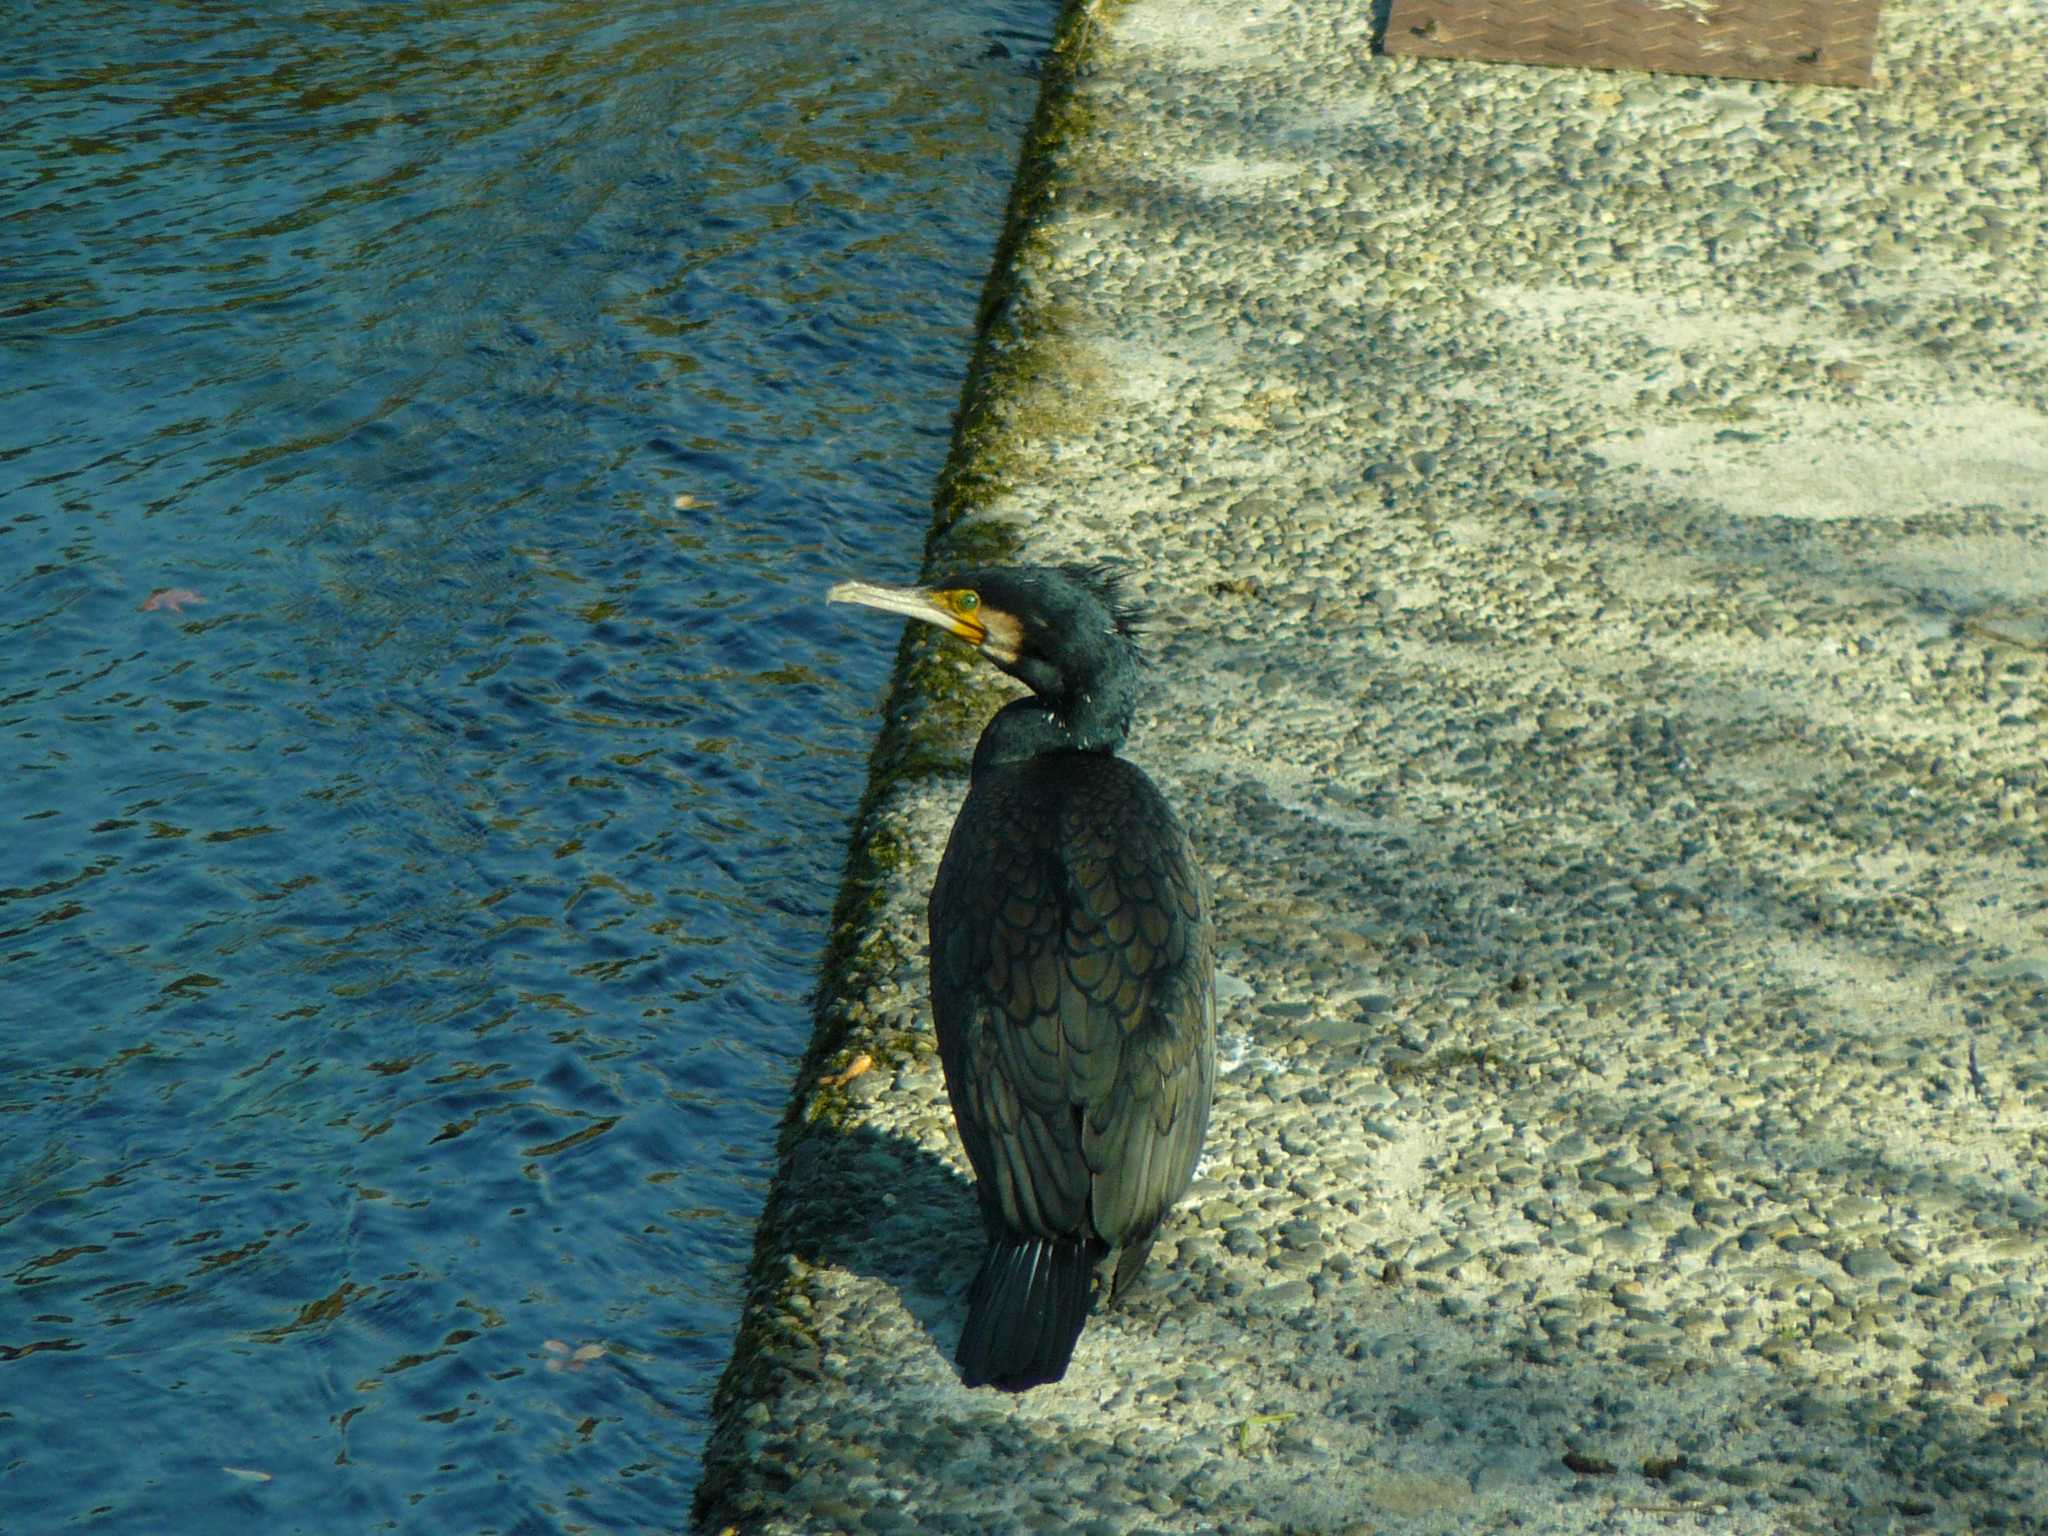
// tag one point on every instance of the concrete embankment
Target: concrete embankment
(1597, 526)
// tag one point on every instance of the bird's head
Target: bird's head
(1067, 632)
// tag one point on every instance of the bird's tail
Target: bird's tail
(1026, 1308)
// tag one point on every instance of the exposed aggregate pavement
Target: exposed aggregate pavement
(1598, 531)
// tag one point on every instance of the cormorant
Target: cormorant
(1072, 965)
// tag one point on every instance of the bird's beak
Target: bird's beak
(911, 602)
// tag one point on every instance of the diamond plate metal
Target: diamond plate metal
(1814, 42)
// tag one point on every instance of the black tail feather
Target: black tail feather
(1025, 1310)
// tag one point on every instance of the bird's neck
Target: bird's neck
(1095, 721)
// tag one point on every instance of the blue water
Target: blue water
(404, 943)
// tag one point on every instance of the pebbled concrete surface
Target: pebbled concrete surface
(1599, 531)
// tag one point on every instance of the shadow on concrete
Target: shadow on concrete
(1381, 9)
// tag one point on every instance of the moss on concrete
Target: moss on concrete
(1029, 382)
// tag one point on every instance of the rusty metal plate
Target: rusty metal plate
(1815, 42)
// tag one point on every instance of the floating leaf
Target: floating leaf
(854, 1068)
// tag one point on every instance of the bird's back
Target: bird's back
(1072, 971)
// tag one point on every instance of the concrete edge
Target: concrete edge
(1023, 386)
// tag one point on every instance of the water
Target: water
(403, 944)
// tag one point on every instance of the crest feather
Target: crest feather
(1110, 582)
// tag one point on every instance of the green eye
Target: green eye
(967, 602)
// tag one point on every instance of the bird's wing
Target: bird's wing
(1138, 1015)
(995, 927)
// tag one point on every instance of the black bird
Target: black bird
(1072, 966)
